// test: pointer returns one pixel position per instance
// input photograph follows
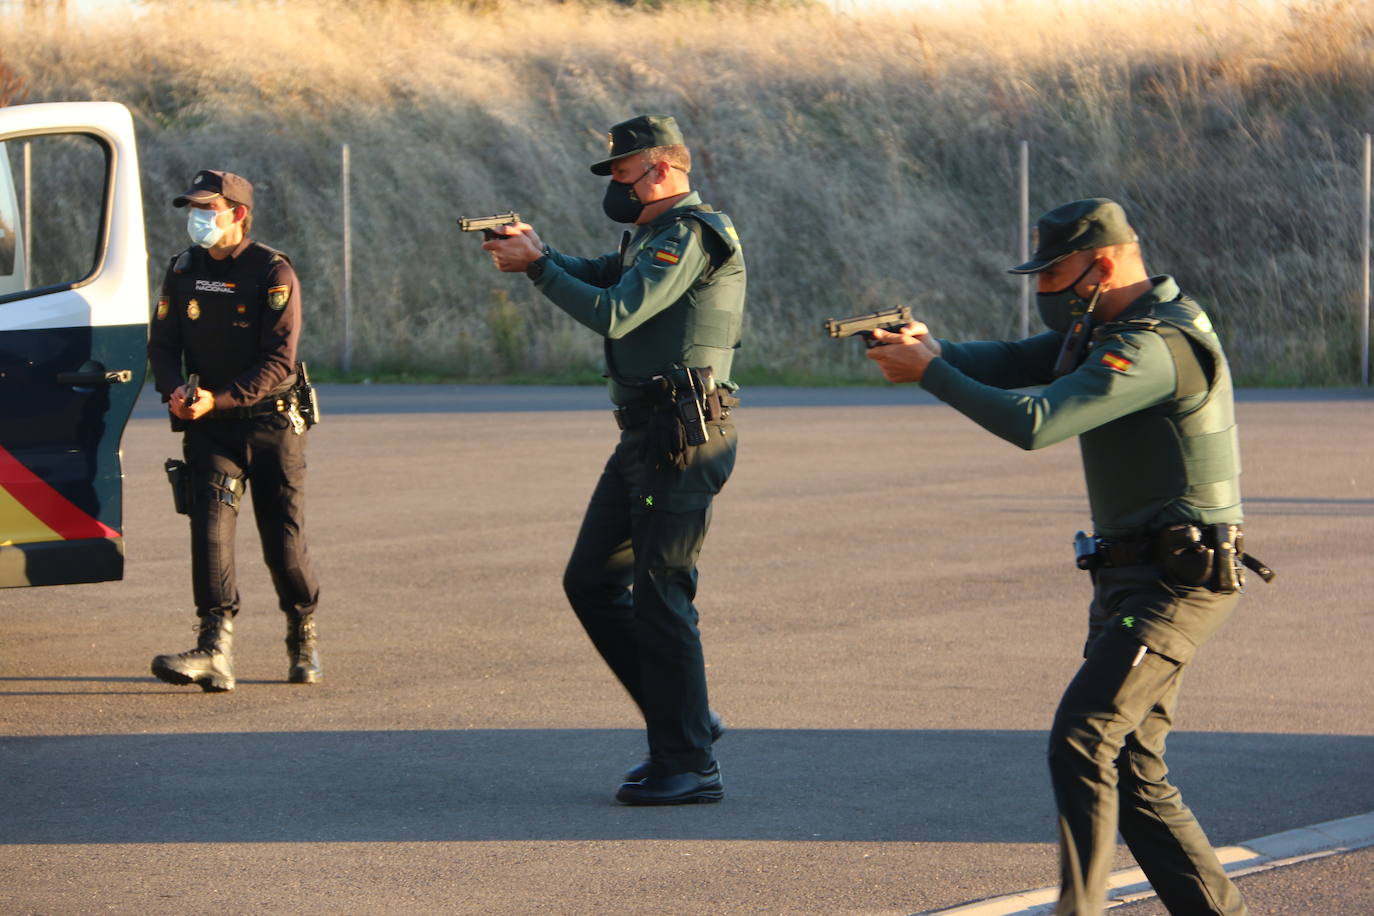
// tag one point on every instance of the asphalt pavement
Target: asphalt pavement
(889, 609)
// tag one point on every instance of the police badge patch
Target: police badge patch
(193, 309)
(277, 296)
(164, 303)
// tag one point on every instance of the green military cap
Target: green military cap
(635, 135)
(1083, 225)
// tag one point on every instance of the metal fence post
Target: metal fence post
(28, 213)
(1364, 318)
(346, 359)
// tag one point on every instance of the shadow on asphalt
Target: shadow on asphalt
(556, 784)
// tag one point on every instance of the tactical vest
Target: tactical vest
(220, 311)
(1176, 462)
(700, 329)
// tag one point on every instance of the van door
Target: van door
(73, 328)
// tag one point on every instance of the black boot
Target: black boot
(300, 646)
(209, 664)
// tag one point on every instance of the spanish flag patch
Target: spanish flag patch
(666, 256)
(1112, 361)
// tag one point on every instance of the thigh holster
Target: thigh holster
(222, 487)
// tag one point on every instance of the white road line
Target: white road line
(1129, 885)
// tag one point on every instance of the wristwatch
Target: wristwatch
(535, 269)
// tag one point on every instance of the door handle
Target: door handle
(92, 374)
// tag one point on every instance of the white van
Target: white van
(73, 330)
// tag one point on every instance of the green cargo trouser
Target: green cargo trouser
(1106, 753)
(632, 579)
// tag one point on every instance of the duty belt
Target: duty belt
(1150, 549)
(1146, 548)
(640, 412)
(278, 404)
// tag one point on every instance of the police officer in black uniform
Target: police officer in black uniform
(670, 304)
(230, 315)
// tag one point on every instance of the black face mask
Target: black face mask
(1059, 308)
(621, 203)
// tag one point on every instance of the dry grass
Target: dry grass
(867, 160)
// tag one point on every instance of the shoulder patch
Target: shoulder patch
(277, 297)
(164, 305)
(666, 256)
(1116, 361)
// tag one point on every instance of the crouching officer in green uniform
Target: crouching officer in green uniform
(1132, 367)
(230, 312)
(669, 304)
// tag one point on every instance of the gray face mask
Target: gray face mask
(1059, 308)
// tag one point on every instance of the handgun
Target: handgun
(487, 225)
(307, 400)
(192, 386)
(864, 325)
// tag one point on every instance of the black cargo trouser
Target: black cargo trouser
(269, 457)
(1106, 751)
(632, 579)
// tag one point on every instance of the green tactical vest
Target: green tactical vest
(700, 329)
(1179, 461)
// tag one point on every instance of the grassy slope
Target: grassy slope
(867, 161)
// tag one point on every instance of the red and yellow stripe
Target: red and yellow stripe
(32, 511)
(1112, 361)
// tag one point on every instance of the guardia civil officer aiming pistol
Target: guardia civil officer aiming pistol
(864, 325)
(487, 225)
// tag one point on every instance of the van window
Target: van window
(52, 210)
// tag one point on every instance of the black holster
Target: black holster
(179, 476)
(683, 400)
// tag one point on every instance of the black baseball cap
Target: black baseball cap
(637, 135)
(1081, 225)
(209, 184)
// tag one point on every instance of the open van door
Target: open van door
(73, 329)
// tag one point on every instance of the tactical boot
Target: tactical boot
(209, 664)
(300, 646)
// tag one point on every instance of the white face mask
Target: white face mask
(203, 227)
